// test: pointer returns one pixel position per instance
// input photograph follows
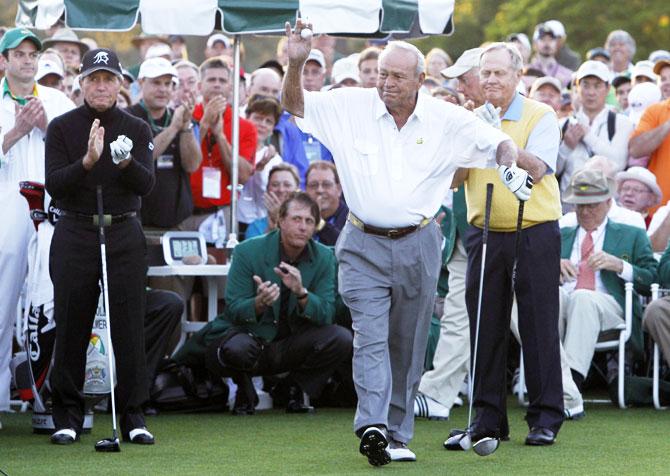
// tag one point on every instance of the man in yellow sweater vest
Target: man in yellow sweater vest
(534, 128)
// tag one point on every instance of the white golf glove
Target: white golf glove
(516, 180)
(489, 114)
(120, 149)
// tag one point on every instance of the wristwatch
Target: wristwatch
(303, 294)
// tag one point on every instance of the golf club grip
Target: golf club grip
(487, 212)
(517, 244)
(101, 214)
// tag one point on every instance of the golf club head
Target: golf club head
(486, 446)
(458, 440)
(108, 445)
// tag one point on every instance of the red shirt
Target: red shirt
(211, 156)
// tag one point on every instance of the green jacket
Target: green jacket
(664, 269)
(454, 225)
(631, 245)
(259, 256)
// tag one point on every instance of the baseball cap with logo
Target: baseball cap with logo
(317, 55)
(13, 38)
(100, 59)
(45, 67)
(155, 67)
(468, 60)
(594, 68)
(588, 186)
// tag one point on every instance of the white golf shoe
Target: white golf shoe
(426, 407)
(400, 452)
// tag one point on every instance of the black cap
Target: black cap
(593, 53)
(100, 59)
(619, 80)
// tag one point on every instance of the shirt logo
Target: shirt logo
(151, 146)
(419, 140)
(101, 57)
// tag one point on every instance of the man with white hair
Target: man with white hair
(621, 46)
(396, 151)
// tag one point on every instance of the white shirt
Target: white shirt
(595, 142)
(658, 218)
(390, 177)
(617, 214)
(251, 205)
(598, 240)
(25, 160)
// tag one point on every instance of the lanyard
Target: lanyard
(154, 127)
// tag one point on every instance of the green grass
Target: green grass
(609, 441)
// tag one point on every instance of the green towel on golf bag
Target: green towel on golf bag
(638, 391)
(433, 337)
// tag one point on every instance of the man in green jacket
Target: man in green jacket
(280, 308)
(597, 258)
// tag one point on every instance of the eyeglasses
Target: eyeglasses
(324, 185)
(626, 189)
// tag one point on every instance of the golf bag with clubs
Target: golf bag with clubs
(32, 365)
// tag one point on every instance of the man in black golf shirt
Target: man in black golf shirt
(98, 145)
(176, 151)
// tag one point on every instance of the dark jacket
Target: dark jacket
(259, 256)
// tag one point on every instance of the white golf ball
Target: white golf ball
(306, 33)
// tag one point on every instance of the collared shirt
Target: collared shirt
(595, 142)
(25, 160)
(22, 101)
(391, 177)
(598, 240)
(542, 139)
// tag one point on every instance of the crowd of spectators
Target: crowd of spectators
(614, 117)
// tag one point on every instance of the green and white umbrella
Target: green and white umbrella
(199, 17)
(402, 18)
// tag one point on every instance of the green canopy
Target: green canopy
(201, 17)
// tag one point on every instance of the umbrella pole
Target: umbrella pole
(232, 238)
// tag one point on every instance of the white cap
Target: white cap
(644, 175)
(594, 68)
(643, 68)
(46, 67)
(346, 68)
(158, 50)
(468, 60)
(156, 67)
(641, 96)
(658, 55)
(557, 27)
(218, 37)
(317, 55)
(546, 80)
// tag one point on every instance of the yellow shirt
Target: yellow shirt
(544, 204)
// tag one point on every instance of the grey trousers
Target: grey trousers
(656, 321)
(389, 286)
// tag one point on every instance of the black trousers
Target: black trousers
(75, 268)
(163, 314)
(536, 290)
(310, 356)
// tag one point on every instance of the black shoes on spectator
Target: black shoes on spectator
(374, 444)
(540, 437)
(297, 402)
(246, 397)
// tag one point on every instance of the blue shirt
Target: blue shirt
(292, 151)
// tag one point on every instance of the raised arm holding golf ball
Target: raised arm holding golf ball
(396, 152)
(99, 162)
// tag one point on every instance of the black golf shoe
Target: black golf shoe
(374, 443)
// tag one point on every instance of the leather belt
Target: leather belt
(392, 233)
(94, 219)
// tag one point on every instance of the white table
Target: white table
(212, 272)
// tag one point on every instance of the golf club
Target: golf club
(462, 441)
(107, 445)
(487, 446)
